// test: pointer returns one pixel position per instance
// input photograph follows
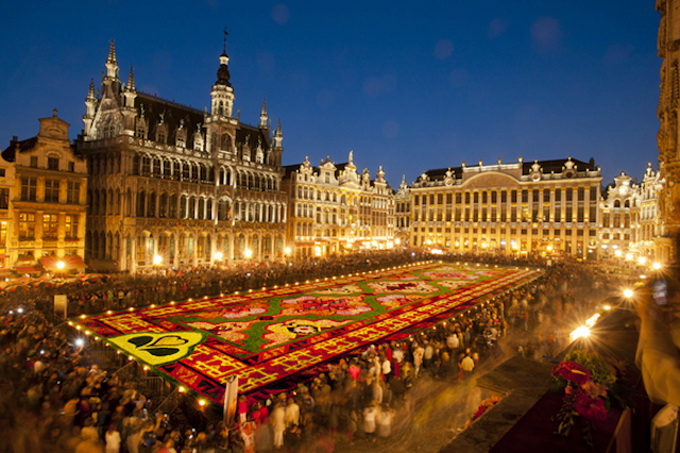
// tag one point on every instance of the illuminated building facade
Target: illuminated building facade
(402, 215)
(651, 226)
(668, 45)
(174, 186)
(333, 209)
(43, 217)
(545, 207)
(7, 182)
(620, 227)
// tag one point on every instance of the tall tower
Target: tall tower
(668, 45)
(222, 94)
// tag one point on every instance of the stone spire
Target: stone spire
(278, 136)
(111, 62)
(90, 107)
(131, 81)
(129, 111)
(264, 118)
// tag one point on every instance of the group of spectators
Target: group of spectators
(56, 398)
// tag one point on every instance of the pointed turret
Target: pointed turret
(129, 111)
(277, 148)
(131, 80)
(222, 93)
(111, 62)
(130, 92)
(264, 118)
(278, 136)
(90, 107)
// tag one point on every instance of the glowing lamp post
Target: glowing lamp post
(60, 266)
(247, 254)
(580, 332)
(218, 256)
(157, 260)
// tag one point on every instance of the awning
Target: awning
(74, 262)
(49, 262)
(70, 262)
(28, 269)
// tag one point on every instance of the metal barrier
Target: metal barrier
(170, 403)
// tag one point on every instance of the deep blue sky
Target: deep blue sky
(409, 85)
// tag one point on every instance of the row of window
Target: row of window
(53, 163)
(51, 190)
(503, 215)
(29, 221)
(504, 231)
(178, 170)
(492, 196)
(108, 246)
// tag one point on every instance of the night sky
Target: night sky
(409, 85)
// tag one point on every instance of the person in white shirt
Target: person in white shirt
(277, 419)
(112, 438)
(292, 414)
(467, 365)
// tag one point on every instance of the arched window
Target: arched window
(172, 207)
(183, 207)
(163, 205)
(209, 208)
(151, 209)
(201, 208)
(141, 204)
(191, 209)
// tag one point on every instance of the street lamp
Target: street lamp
(247, 254)
(157, 260)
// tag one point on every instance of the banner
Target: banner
(60, 305)
(230, 399)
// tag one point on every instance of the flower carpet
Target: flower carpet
(273, 338)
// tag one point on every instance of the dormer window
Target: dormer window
(161, 133)
(34, 162)
(141, 130)
(53, 163)
(181, 139)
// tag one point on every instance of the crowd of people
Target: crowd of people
(56, 398)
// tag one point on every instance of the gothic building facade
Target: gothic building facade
(668, 45)
(333, 209)
(174, 186)
(544, 207)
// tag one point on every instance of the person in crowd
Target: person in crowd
(75, 398)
